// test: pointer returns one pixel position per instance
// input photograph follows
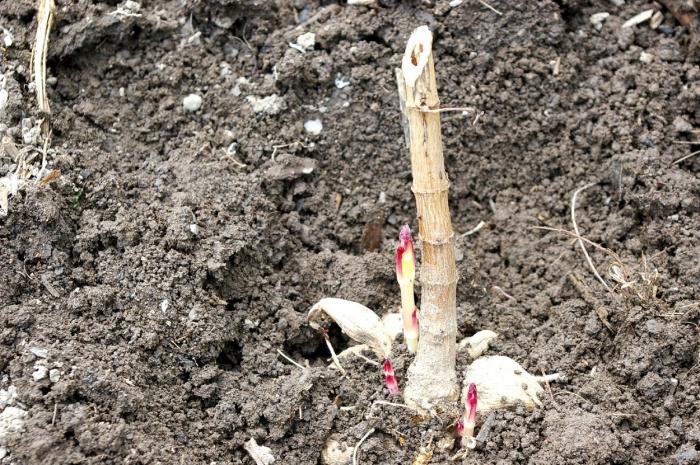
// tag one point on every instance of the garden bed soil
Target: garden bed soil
(158, 276)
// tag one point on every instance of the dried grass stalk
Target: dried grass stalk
(47, 8)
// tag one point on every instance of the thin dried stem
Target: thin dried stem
(334, 356)
(577, 238)
(474, 229)
(41, 47)
(490, 8)
(289, 359)
(368, 360)
(692, 154)
(359, 443)
(578, 234)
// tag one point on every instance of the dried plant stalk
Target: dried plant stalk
(47, 9)
(432, 379)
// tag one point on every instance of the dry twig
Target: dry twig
(490, 8)
(578, 234)
(41, 47)
(692, 154)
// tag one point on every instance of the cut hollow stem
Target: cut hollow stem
(432, 377)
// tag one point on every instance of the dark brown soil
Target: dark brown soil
(165, 334)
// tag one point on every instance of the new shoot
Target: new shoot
(466, 424)
(406, 275)
(389, 378)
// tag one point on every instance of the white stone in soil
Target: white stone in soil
(40, 372)
(270, 105)
(192, 102)
(341, 82)
(646, 57)
(8, 396)
(7, 38)
(4, 97)
(11, 421)
(39, 352)
(54, 375)
(307, 41)
(313, 127)
(598, 18)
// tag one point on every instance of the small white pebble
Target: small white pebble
(132, 6)
(645, 57)
(194, 229)
(598, 18)
(192, 102)
(307, 41)
(40, 373)
(656, 20)
(270, 105)
(341, 82)
(7, 38)
(4, 97)
(232, 148)
(455, 3)
(54, 375)
(314, 126)
(39, 352)
(122, 92)
(638, 19)
(8, 396)
(224, 22)
(164, 305)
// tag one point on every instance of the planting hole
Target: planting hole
(229, 357)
